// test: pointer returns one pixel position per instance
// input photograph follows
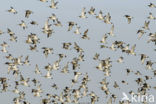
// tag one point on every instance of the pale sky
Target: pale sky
(70, 10)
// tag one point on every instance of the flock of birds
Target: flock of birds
(78, 89)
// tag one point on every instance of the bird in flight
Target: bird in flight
(129, 18)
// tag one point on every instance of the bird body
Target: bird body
(12, 10)
(129, 18)
(83, 13)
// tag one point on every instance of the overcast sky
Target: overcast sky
(70, 10)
